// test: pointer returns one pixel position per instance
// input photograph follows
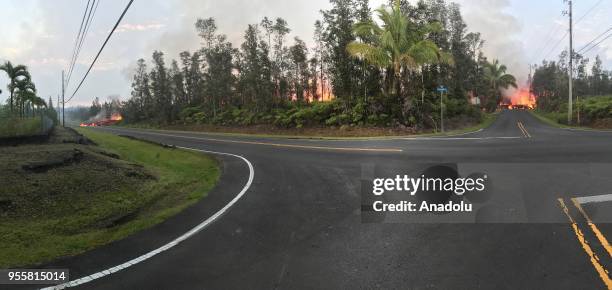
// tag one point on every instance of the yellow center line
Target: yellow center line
(386, 150)
(524, 130)
(600, 236)
(518, 124)
(603, 273)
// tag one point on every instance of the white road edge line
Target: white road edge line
(173, 243)
(458, 138)
(594, 199)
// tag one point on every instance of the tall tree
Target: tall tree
(142, 106)
(160, 88)
(218, 77)
(398, 45)
(207, 29)
(597, 76)
(299, 57)
(338, 35)
(268, 27)
(25, 93)
(495, 74)
(179, 94)
(15, 74)
(250, 69)
(320, 58)
(281, 29)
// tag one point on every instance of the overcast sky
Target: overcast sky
(41, 33)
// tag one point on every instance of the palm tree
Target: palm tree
(495, 74)
(398, 44)
(25, 92)
(15, 74)
(37, 104)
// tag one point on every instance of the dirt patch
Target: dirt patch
(54, 160)
(603, 124)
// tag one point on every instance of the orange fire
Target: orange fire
(522, 98)
(114, 119)
(324, 93)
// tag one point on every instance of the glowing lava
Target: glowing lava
(114, 119)
(522, 98)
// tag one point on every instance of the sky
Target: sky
(41, 34)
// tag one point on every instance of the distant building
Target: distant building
(473, 99)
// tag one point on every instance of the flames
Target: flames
(521, 99)
(114, 119)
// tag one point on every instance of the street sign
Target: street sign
(442, 89)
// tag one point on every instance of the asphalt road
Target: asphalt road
(300, 225)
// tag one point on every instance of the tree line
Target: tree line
(364, 67)
(551, 81)
(23, 100)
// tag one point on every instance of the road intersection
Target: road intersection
(300, 223)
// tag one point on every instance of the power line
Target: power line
(92, 13)
(567, 33)
(589, 11)
(87, 27)
(556, 45)
(595, 39)
(545, 44)
(597, 44)
(76, 41)
(101, 49)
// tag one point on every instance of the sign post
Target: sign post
(442, 90)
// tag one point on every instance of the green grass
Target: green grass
(14, 127)
(72, 209)
(487, 121)
(595, 113)
(556, 119)
(550, 118)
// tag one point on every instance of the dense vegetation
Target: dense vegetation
(365, 68)
(22, 100)
(593, 104)
(21, 115)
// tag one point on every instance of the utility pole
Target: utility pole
(442, 89)
(442, 112)
(63, 104)
(571, 65)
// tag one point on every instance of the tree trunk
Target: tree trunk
(11, 101)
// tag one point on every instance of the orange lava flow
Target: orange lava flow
(522, 98)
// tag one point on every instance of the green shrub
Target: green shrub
(14, 127)
(189, 112)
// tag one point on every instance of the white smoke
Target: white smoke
(232, 18)
(501, 32)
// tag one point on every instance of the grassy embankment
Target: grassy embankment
(347, 132)
(593, 113)
(62, 199)
(12, 127)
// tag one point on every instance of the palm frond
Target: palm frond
(369, 28)
(424, 51)
(370, 53)
(508, 81)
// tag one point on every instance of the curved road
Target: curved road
(300, 225)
